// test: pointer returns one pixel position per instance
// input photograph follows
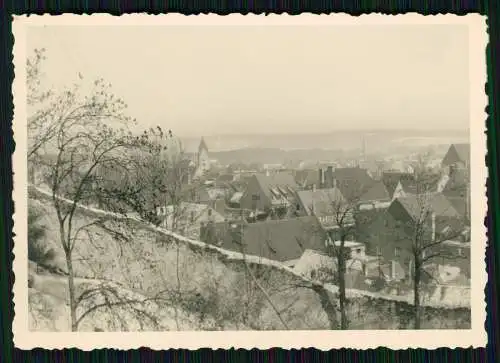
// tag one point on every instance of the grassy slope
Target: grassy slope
(215, 292)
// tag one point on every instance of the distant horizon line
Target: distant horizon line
(371, 130)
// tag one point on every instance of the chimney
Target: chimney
(267, 172)
(321, 178)
(393, 269)
(314, 188)
(329, 176)
(433, 226)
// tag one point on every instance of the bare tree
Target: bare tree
(37, 131)
(343, 210)
(84, 139)
(156, 191)
(428, 232)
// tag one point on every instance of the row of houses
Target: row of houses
(382, 209)
(290, 216)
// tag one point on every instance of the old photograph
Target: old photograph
(244, 179)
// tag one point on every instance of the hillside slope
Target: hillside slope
(215, 289)
(49, 308)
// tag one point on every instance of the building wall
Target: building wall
(392, 239)
(388, 239)
(456, 255)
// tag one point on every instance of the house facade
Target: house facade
(392, 232)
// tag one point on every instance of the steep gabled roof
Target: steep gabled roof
(320, 202)
(463, 152)
(281, 240)
(460, 204)
(457, 151)
(352, 182)
(378, 192)
(419, 207)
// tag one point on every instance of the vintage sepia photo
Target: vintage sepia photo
(249, 181)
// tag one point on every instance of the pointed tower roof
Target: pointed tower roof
(203, 145)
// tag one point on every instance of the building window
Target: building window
(358, 250)
(397, 252)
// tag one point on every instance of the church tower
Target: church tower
(202, 159)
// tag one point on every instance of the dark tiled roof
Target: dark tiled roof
(225, 178)
(391, 180)
(419, 206)
(281, 240)
(463, 151)
(283, 181)
(358, 174)
(460, 205)
(409, 183)
(457, 151)
(307, 177)
(195, 193)
(352, 182)
(378, 192)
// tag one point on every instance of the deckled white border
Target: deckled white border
(324, 340)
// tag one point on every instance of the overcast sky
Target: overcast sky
(218, 80)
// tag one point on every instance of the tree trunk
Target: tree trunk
(416, 292)
(71, 287)
(342, 297)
